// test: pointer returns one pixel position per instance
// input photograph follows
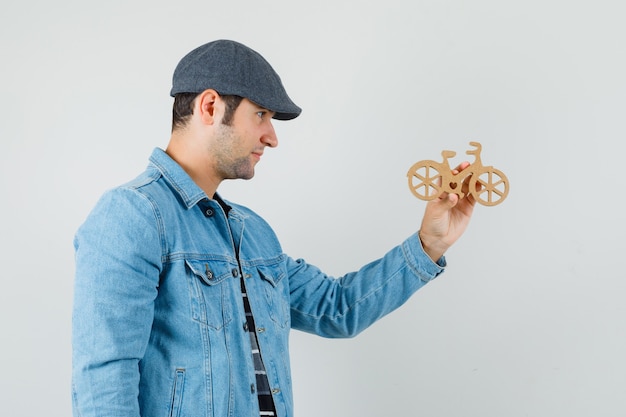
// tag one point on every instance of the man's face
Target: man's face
(237, 148)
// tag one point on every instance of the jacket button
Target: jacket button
(275, 390)
(209, 273)
(235, 272)
(252, 388)
(260, 329)
(209, 212)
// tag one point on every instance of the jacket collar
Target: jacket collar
(181, 182)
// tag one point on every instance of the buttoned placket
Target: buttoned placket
(235, 228)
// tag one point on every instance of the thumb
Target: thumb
(450, 201)
(439, 210)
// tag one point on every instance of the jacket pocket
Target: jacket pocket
(210, 288)
(276, 290)
(177, 393)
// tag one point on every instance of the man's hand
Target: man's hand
(446, 218)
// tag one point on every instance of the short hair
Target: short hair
(183, 109)
(232, 102)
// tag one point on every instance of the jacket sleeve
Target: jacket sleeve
(118, 263)
(345, 306)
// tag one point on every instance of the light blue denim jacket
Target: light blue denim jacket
(158, 315)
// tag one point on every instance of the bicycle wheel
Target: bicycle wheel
(425, 180)
(493, 186)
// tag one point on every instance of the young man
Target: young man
(184, 301)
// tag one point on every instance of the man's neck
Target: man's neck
(194, 163)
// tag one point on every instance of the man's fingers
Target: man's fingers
(461, 167)
(449, 200)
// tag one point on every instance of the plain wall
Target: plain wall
(528, 319)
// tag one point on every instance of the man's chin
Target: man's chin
(245, 176)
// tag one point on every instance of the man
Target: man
(184, 301)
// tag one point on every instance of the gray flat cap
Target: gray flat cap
(231, 68)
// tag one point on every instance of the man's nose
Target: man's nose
(269, 137)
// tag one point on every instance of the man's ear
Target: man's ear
(208, 106)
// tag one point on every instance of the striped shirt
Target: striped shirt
(264, 393)
(261, 385)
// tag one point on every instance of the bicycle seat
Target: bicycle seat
(448, 154)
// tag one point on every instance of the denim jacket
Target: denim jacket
(158, 315)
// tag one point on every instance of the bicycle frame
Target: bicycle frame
(481, 181)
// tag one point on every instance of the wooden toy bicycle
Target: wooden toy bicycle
(429, 179)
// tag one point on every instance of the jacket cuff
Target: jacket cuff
(419, 262)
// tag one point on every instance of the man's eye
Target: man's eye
(260, 114)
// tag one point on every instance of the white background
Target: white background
(528, 319)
